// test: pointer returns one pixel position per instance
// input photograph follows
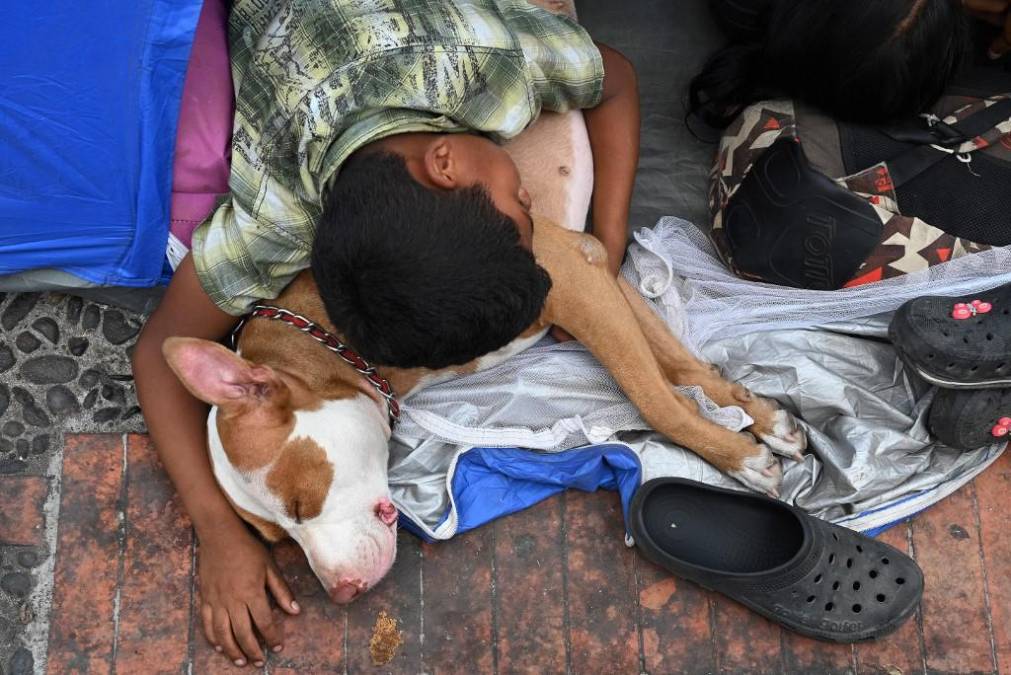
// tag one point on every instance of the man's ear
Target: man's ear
(217, 375)
(440, 163)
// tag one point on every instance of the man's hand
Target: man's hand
(235, 574)
(998, 13)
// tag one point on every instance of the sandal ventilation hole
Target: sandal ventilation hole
(835, 536)
(900, 581)
(873, 574)
(856, 609)
(856, 585)
(817, 579)
(835, 586)
(989, 336)
(860, 549)
(929, 356)
(880, 597)
(831, 559)
(884, 561)
(810, 598)
(829, 606)
(849, 563)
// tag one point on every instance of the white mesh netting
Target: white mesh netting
(710, 302)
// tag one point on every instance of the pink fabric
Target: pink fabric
(203, 139)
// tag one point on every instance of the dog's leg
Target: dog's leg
(589, 304)
(776, 427)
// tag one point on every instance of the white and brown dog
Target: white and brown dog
(298, 437)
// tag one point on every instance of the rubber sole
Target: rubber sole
(943, 383)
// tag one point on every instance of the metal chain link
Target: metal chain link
(328, 340)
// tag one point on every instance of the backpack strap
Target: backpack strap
(915, 161)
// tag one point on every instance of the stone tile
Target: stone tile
(529, 590)
(457, 589)
(56, 367)
(805, 655)
(314, 641)
(955, 629)
(600, 584)
(87, 556)
(399, 596)
(22, 520)
(745, 641)
(674, 618)
(155, 590)
(992, 489)
(901, 651)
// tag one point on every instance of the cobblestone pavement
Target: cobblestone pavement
(64, 367)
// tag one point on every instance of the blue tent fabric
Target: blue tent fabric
(490, 483)
(89, 101)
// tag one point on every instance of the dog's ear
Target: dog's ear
(217, 375)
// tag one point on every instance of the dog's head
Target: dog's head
(295, 463)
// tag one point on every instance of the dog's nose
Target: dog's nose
(347, 590)
(386, 511)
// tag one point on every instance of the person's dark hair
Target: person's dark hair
(870, 61)
(413, 277)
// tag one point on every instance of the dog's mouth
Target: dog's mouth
(371, 559)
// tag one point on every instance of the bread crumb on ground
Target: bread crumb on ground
(386, 639)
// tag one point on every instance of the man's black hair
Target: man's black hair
(418, 277)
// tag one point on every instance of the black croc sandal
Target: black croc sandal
(957, 343)
(813, 577)
(968, 420)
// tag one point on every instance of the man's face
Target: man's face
(491, 167)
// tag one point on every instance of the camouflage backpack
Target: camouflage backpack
(801, 200)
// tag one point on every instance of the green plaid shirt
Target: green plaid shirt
(317, 79)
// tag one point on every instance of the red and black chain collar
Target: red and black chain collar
(330, 341)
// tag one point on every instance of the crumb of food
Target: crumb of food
(386, 639)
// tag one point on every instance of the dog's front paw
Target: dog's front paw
(784, 436)
(760, 471)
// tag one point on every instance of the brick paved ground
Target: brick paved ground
(552, 589)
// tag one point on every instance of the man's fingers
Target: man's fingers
(242, 628)
(224, 637)
(279, 588)
(207, 618)
(265, 624)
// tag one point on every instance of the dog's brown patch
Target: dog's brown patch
(272, 532)
(301, 478)
(252, 434)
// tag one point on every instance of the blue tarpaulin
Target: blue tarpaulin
(89, 100)
(490, 483)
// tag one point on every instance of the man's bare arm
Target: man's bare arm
(235, 569)
(613, 128)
